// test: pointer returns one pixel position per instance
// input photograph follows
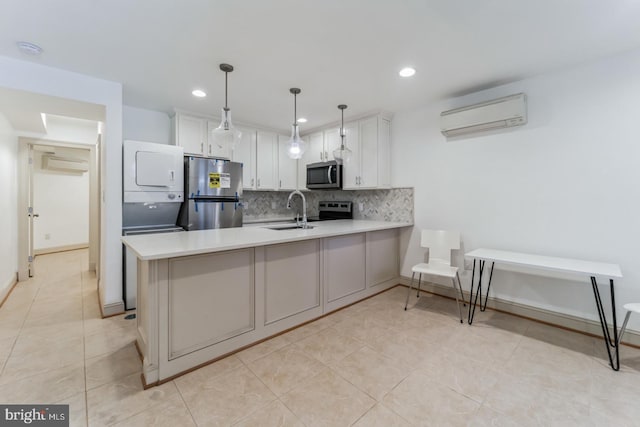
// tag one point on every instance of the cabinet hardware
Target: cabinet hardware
(202, 147)
(252, 181)
(258, 182)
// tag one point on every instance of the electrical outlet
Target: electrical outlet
(274, 205)
(468, 264)
(47, 236)
(245, 205)
(360, 206)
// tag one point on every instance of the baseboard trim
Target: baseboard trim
(553, 318)
(7, 289)
(63, 248)
(113, 309)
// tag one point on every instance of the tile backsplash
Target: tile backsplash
(394, 204)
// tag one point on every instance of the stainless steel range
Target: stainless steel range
(333, 210)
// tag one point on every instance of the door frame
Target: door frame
(25, 188)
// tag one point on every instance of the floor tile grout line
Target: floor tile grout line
(185, 403)
(84, 350)
(24, 320)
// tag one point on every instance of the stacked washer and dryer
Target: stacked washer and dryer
(153, 191)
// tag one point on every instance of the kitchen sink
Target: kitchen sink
(289, 227)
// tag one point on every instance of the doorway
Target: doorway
(58, 200)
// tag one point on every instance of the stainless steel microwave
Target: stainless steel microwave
(324, 175)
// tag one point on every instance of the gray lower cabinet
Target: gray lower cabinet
(383, 257)
(194, 309)
(291, 280)
(211, 299)
(344, 269)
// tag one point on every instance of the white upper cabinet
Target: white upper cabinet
(287, 167)
(331, 142)
(315, 150)
(266, 160)
(245, 153)
(194, 135)
(369, 166)
(213, 149)
(191, 134)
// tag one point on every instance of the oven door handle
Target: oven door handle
(329, 174)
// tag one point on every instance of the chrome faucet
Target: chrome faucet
(304, 207)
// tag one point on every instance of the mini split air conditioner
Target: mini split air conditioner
(497, 114)
(68, 164)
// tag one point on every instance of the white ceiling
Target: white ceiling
(336, 51)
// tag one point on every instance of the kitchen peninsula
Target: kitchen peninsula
(204, 294)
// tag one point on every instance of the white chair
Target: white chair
(440, 244)
(633, 307)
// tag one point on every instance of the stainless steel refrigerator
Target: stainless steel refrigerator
(213, 194)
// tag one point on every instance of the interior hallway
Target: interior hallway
(369, 364)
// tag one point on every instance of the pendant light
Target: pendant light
(296, 146)
(225, 135)
(343, 153)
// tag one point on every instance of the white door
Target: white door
(32, 215)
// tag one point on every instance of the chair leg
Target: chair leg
(624, 326)
(419, 279)
(453, 281)
(409, 291)
(464, 303)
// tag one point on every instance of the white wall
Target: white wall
(146, 125)
(61, 199)
(566, 184)
(8, 206)
(27, 76)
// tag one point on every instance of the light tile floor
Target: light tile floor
(372, 364)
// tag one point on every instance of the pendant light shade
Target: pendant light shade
(295, 146)
(343, 153)
(225, 135)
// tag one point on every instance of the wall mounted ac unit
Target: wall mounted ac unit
(497, 114)
(68, 164)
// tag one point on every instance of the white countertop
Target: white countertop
(169, 245)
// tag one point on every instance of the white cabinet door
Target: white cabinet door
(245, 153)
(331, 142)
(315, 149)
(351, 168)
(213, 149)
(266, 160)
(302, 164)
(368, 176)
(191, 134)
(287, 167)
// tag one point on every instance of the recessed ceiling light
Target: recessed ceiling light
(29, 48)
(302, 120)
(407, 72)
(199, 93)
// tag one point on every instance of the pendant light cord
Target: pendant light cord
(226, 107)
(295, 108)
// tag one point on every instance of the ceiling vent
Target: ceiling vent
(491, 115)
(66, 164)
